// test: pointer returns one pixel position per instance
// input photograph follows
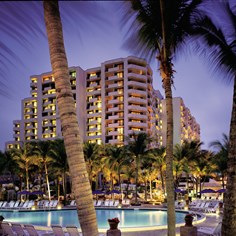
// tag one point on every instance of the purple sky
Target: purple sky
(208, 96)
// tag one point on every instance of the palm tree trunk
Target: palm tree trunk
(136, 180)
(229, 216)
(162, 181)
(47, 181)
(67, 113)
(166, 74)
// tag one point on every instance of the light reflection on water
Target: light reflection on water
(128, 218)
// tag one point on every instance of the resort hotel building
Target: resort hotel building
(112, 102)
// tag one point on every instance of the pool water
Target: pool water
(128, 218)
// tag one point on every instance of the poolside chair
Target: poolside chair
(33, 232)
(72, 203)
(111, 203)
(211, 231)
(4, 205)
(16, 204)
(7, 229)
(194, 207)
(53, 204)
(11, 204)
(18, 229)
(126, 203)
(24, 205)
(72, 230)
(57, 230)
(106, 203)
(99, 203)
(213, 209)
(116, 203)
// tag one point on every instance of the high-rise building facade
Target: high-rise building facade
(185, 125)
(112, 102)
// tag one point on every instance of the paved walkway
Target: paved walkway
(211, 221)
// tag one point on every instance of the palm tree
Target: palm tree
(138, 147)
(25, 159)
(159, 155)
(160, 29)
(91, 155)
(59, 164)
(219, 43)
(221, 156)
(43, 149)
(69, 122)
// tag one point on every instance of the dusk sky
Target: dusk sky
(207, 95)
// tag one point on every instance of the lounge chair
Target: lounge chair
(72, 230)
(58, 230)
(7, 229)
(18, 229)
(116, 203)
(33, 232)
(99, 203)
(106, 203)
(53, 204)
(213, 209)
(126, 203)
(111, 203)
(211, 231)
(11, 204)
(4, 204)
(72, 203)
(16, 205)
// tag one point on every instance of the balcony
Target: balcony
(137, 124)
(138, 76)
(115, 101)
(137, 84)
(137, 116)
(137, 108)
(98, 114)
(113, 117)
(137, 100)
(94, 122)
(94, 92)
(92, 85)
(133, 66)
(113, 133)
(115, 85)
(136, 91)
(114, 109)
(113, 69)
(114, 141)
(93, 130)
(93, 100)
(114, 125)
(115, 93)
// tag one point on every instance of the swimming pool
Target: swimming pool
(128, 217)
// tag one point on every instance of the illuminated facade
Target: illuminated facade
(185, 125)
(112, 102)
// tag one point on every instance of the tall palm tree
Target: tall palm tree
(221, 156)
(138, 147)
(159, 155)
(91, 155)
(69, 122)
(60, 164)
(43, 149)
(26, 159)
(115, 160)
(160, 29)
(219, 43)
